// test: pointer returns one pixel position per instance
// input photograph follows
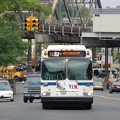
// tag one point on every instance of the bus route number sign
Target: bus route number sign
(66, 54)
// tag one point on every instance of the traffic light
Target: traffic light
(31, 24)
(28, 24)
(34, 24)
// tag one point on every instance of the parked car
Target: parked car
(98, 85)
(96, 65)
(22, 67)
(6, 91)
(115, 87)
(102, 73)
(103, 65)
(96, 72)
(32, 89)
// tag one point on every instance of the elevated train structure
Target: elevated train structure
(93, 29)
(82, 30)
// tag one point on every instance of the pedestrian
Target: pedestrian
(107, 84)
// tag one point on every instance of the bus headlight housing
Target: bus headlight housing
(45, 93)
(88, 93)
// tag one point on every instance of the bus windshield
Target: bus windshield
(79, 70)
(53, 70)
(76, 70)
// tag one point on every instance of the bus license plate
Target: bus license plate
(63, 92)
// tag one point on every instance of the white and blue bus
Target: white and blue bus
(66, 76)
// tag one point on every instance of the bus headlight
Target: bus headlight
(45, 93)
(88, 93)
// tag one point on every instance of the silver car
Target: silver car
(6, 92)
(98, 85)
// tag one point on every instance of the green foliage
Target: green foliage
(118, 56)
(17, 6)
(99, 50)
(11, 44)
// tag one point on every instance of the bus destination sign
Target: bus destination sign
(66, 54)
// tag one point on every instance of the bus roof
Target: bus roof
(64, 47)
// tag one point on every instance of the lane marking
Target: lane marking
(108, 97)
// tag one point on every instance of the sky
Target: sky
(111, 3)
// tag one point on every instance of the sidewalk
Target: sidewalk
(112, 79)
(32, 72)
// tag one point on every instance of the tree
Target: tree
(11, 43)
(17, 6)
(118, 56)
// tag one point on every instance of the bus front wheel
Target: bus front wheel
(88, 106)
(44, 106)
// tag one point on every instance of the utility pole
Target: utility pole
(29, 69)
(37, 53)
(106, 62)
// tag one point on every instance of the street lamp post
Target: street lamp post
(29, 57)
(110, 75)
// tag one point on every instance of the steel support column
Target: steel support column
(94, 55)
(106, 62)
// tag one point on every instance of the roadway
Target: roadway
(105, 107)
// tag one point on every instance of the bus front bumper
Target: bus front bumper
(67, 100)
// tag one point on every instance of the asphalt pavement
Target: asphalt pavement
(31, 72)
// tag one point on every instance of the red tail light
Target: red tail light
(112, 86)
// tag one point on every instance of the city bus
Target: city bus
(66, 76)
